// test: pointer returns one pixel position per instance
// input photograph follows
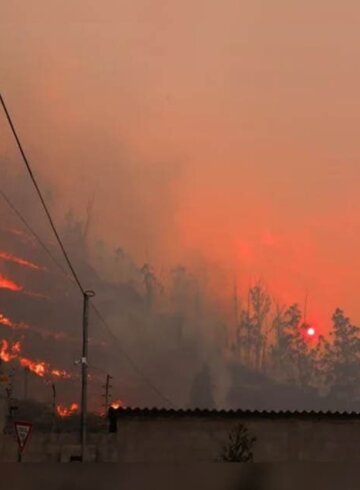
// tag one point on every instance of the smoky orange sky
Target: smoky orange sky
(217, 132)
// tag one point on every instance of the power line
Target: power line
(103, 321)
(67, 258)
(33, 232)
(47, 212)
(129, 360)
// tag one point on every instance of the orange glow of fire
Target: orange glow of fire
(67, 411)
(58, 336)
(40, 368)
(58, 373)
(6, 321)
(8, 353)
(117, 404)
(6, 283)
(18, 260)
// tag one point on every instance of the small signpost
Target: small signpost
(22, 430)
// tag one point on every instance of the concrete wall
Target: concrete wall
(42, 448)
(196, 439)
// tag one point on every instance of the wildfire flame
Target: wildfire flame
(8, 353)
(67, 411)
(117, 404)
(58, 336)
(40, 368)
(58, 373)
(18, 260)
(6, 321)
(6, 283)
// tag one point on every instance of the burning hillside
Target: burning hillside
(18, 260)
(48, 322)
(46, 334)
(6, 283)
(67, 411)
(12, 352)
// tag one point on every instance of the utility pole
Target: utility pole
(107, 395)
(53, 387)
(26, 382)
(84, 372)
(10, 407)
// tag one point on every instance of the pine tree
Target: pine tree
(294, 360)
(250, 337)
(342, 360)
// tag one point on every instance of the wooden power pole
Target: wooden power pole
(107, 395)
(26, 382)
(84, 372)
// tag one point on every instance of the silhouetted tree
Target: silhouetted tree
(250, 336)
(260, 305)
(293, 358)
(342, 360)
(150, 283)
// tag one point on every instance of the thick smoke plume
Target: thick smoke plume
(161, 321)
(167, 339)
(182, 149)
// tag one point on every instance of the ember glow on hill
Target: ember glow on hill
(117, 404)
(5, 321)
(12, 352)
(19, 261)
(64, 411)
(6, 283)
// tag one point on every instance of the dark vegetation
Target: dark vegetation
(239, 446)
(318, 372)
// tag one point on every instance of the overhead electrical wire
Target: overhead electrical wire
(97, 312)
(33, 232)
(39, 193)
(145, 378)
(136, 368)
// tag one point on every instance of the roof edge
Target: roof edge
(166, 412)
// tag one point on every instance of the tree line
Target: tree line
(275, 341)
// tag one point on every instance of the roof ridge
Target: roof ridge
(233, 412)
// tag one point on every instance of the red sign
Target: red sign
(23, 430)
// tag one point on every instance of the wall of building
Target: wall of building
(42, 448)
(197, 439)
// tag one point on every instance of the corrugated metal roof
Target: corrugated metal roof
(164, 412)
